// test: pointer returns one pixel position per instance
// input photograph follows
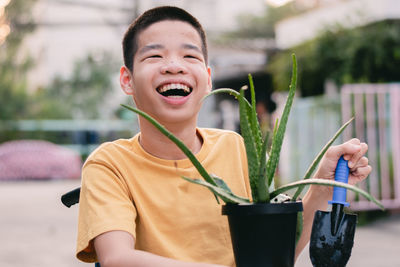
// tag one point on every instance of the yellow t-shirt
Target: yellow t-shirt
(125, 188)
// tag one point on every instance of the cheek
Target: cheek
(143, 94)
(138, 82)
(202, 74)
(207, 80)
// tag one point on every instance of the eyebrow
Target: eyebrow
(160, 46)
(191, 47)
(150, 47)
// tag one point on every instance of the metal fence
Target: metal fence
(376, 108)
(312, 123)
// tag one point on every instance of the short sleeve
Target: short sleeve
(105, 205)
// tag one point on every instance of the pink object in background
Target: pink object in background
(38, 159)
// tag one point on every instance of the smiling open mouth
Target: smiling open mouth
(174, 90)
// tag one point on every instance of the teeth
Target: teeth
(175, 96)
(170, 86)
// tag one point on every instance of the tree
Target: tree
(13, 69)
(80, 95)
(369, 54)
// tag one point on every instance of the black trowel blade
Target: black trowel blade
(328, 249)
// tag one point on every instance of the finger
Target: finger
(346, 150)
(353, 141)
(357, 156)
(359, 174)
(360, 163)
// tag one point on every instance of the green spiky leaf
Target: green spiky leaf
(229, 91)
(326, 183)
(178, 142)
(318, 158)
(278, 138)
(262, 187)
(223, 192)
(254, 124)
(250, 144)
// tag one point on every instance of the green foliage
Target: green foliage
(77, 96)
(367, 54)
(221, 190)
(216, 185)
(253, 157)
(80, 95)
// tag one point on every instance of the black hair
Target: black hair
(151, 16)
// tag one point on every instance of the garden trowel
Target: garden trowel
(333, 232)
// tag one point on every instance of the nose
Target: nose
(173, 67)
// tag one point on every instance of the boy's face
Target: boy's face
(170, 76)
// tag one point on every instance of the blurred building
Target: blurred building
(323, 14)
(68, 30)
(216, 16)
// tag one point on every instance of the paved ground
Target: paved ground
(36, 230)
(375, 245)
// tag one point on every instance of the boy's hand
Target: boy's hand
(317, 197)
(353, 151)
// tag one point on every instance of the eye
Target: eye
(192, 57)
(154, 56)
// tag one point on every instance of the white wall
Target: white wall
(70, 29)
(214, 15)
(68, 32)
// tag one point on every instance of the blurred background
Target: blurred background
(60, 98)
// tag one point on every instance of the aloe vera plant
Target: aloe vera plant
(262, 160)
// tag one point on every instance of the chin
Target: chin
(179, 117)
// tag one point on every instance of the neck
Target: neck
(158, 145)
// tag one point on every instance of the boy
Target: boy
(135, 210)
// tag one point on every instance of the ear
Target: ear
(209, 82)
(125, 80)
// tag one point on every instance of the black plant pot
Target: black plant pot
(263, 235)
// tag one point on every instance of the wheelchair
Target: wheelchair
(71, 198)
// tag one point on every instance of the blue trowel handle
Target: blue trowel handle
(341, 175)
